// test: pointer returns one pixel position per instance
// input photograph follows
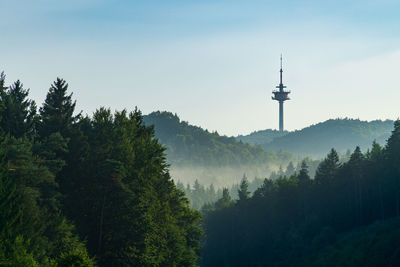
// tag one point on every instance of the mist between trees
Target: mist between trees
(97, 191)
(205, 185)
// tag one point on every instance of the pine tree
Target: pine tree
(3, 87)
(392, 163)
(303, 176)
(356, 164)
(393, 147)
(18, 113)
(243, 192)
(327, 168)
(267, 188)
(224, 201)
(57, 112)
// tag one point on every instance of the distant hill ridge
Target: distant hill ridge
(317, 139)
(261, 136)
(191, 145)
(187, 144)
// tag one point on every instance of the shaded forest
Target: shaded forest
(86, 191)
(96, 190)
(348, 215)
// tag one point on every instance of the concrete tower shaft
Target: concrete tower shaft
(281, 96)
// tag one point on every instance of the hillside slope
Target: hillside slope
(188, 144)
(261, 137)
(195, 153)
(341, 134)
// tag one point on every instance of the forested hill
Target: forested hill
(348, 215)
(261, 137)
(187, 144)
(316, 140)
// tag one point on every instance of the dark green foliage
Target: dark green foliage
(225, 201)
(125, 202)
(297, 221)
(303, 176)
(327, 168)
(57, 112)
(75, 258)
(17, 112)
(243, 191)
(104, 178)
(375, 245)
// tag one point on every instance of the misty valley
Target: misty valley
(171, 133)
(125, 189)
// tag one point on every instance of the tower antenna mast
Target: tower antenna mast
(281, 96)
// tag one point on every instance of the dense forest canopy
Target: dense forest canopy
(348, 215)
(86, 191)
(316, 140)
(97, 191)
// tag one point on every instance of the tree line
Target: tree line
(191, 145)
(348, 215)
(86, 191)
(202, 197)
(315, 140)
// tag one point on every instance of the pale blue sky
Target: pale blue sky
(214, 63)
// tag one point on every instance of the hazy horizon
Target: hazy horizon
(213, 63)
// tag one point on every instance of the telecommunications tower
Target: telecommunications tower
(281, 96)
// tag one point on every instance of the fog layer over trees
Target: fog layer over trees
(348, 215)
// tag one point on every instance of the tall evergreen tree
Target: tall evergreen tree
(243, 192)
(19, 113)
(303, 175)
(392, 164)
(327, 168)
(57, 112)
(225, 200)
(3, 87)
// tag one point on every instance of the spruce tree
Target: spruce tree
(392, 164)
(327, 168)
(224, 201)
(243, 192)
(3, 87)
(19, 113)
(303, 176)
(393, 148)
(57, 112)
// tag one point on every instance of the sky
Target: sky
(213, 62)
